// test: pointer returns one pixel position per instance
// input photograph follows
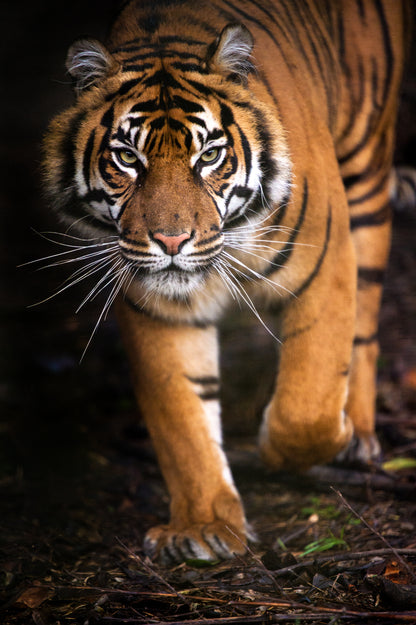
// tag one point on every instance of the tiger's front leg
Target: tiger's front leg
(175, 376)
(305, 422)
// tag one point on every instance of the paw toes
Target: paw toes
(361, 450)
(208, 542)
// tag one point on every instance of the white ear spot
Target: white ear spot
(88, 62)
(232, 51)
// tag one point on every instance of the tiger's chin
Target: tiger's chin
(173, 284)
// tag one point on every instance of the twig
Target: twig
(408, 617)
(339, 557)
(152, 572)
(396, 420)
(377, 533)
(345, 477)
(259, 562)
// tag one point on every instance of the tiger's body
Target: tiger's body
(211, 179)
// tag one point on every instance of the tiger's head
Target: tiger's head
(168, 147)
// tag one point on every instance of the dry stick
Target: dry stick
(274, 618)
(345, 477)
(393, 550)
(149, 569)
(339, 557)
(259, 562)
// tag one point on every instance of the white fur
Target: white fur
(88, 62)
(234, 50)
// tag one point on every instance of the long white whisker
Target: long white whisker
(119, 278)
(242, 293)
(72, 282)
(87, 270)
(98, 241)
(101, 284)
(256, 274)
(250, 253)
(222, 271)
(75, 259)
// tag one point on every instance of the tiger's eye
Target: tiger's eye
(127, 157)
(210, 156)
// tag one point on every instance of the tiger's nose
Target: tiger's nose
(171, 243)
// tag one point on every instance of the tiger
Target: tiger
(225, 151)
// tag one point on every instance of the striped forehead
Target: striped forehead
(175, 120)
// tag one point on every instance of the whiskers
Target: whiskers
(257, 243)
(100, 259)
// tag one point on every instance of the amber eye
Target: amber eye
(210, 156)
(126, 157)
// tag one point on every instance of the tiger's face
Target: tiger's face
(167, 161)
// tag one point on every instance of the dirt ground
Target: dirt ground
(79, 484)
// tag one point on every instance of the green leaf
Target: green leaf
(397, 464)
(323, 544)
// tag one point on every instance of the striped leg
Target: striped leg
(371, 231)
(305, 422)
(175, 376)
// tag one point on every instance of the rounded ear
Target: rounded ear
(88, 62)
(230, 53)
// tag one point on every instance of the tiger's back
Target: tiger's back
(237, 151)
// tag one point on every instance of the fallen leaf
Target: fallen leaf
(34, 596)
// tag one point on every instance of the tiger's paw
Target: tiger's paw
(361, 450)
(210, 542)
(317, 442)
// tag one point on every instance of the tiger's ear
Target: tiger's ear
(230, 53)
(88, 62)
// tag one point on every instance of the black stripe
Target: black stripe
(321, 258)
(365, 340)
(388, 52)
(149, 106)
(126, 86)
(142, 311)
(86, 161)
(377, 218)
(188, 67)
(371, 275)
(293, 29)
(162, 78)
(362, 142)
(282, 257)
(98, 195)
(210, 251)
(209, 395)
(68, 148)
(188, 106)
(367, 196)
(361, 9)
(204, 380)
(209, 240)
(139, 43)
(136, 67)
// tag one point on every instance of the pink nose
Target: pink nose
(171, 242)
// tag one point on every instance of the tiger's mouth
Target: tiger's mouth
(173, 283)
